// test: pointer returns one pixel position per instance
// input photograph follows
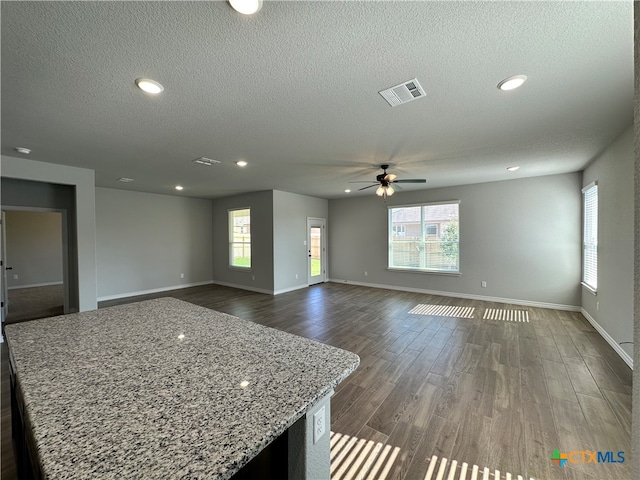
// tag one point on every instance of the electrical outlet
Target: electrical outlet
(296, 276)
(253, 277)
(15, 276)
(483, 284)
(365, 274)
(597, 305)
(318, 425)
(182, 275)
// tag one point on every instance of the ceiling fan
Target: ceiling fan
(384, 181)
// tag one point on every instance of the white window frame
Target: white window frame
(424, 239)
(232, 243)
(590, 237)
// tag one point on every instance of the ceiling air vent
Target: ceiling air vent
(403, 93)
(206, 161)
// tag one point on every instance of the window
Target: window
(432, 230)
(590, 236)
(430, 238)
(240, 238)
(399, 230)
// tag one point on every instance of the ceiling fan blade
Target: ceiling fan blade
(412, 180)
(364, 181)
(364, 188)
(390, 177)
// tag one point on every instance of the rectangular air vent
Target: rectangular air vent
(206, 161)
(403, 93)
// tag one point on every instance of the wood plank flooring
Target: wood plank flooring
(498, 394)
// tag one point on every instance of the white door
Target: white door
(317, 250)
(4, 296)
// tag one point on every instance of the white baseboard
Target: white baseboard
(603, 333)
(261, 290)
(209, 282)
(290, 289)
(243, 287)
(153, 290)
(33, 285)
(513, 301)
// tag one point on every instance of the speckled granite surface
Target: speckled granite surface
(157, 389)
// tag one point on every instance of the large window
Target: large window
(240, 238)
(590, 236)
(429, 240)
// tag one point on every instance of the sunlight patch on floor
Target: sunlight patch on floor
(506, 315)
(443, 310)
(465, 472)
(354, 458)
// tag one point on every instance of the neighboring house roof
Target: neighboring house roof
(436, 213)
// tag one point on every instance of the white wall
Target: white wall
(83, 180)
(145, 241)
(613, 171)
(520, 236)
(34, 248)
(260, 277)
(290, 254)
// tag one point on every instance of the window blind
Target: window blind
(590, 236)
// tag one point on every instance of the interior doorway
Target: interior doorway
(34, 264)
(317, 250)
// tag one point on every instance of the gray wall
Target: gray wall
(523, 237)
(613, 171)
(34, 248)
(81, 219)
(145, 241)
(635, 410)
(260, 276)
(290, 254)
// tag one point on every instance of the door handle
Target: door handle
(11, 268)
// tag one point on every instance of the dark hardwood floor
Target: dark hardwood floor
(494, 393)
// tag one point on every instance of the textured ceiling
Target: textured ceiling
(294, 91)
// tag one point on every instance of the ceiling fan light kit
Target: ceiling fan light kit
(384, 181)
(385, 191)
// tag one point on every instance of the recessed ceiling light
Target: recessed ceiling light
(23, 150)
(512, 82)
(149, 86)
(125, 180)
(246, 7)
(512, 169)
(347, 191)
(242, 163)
(179, 187)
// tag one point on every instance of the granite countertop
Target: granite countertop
(163, 389)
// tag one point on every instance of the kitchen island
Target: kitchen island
(167, 389)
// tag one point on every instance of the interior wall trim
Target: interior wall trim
(243, 287)
(512, 301)
(608, 338)
(153, 290)
(290, 289)
(46, 284)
